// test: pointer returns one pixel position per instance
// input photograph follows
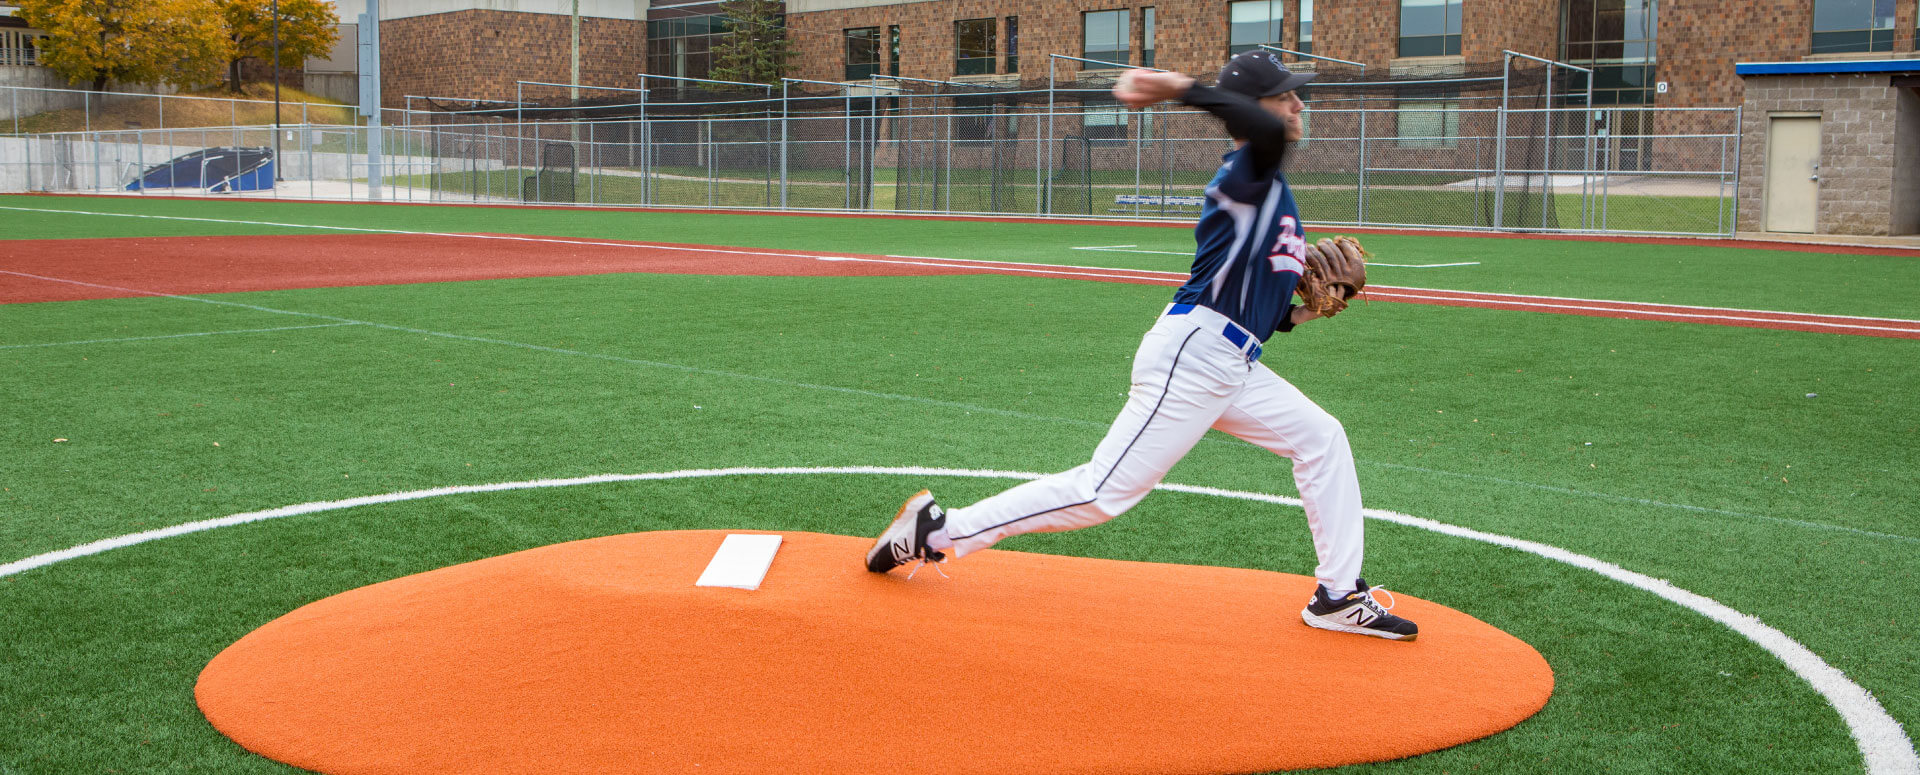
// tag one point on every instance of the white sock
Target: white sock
(1338, 595)
(938, 540)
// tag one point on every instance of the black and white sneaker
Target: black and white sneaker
(1358, 613)
(906, 539)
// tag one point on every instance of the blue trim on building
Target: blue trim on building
(1823, 68)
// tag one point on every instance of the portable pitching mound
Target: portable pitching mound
(603, 656)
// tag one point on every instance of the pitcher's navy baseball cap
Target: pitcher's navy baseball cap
(1258, 73)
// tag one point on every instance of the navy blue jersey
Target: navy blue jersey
(1250, 245)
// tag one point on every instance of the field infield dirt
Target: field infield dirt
(73, 270)
(603, 656)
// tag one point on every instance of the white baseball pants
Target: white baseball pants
(1187, 377)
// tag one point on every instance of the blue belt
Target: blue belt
(1232, 331)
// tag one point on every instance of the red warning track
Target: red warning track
(72, 270)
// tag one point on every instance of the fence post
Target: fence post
(1739, 137)
(1360, 205)
(786, 139)
(1606, 174)
(1546, 154)
(1500, 149)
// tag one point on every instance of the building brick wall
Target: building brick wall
(481, 53)
(1859, 115)
(1190, 35)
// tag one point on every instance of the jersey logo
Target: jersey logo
(1288, 247)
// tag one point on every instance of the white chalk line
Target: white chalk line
(173, 336)
(1017, 266)
(927, 401)
(1124, 249)
(1645, 501)
(1882, 742)
(1617, 311)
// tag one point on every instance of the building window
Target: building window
(1429, 123)
(1616, 39)
(893, 49)
(1013, 44)
(1429, 28)
(1852, 25)
(1105, 123)
(1252, 24)
(1105, 36)
(20, 48)
(863, 53)
(1305, 36)
(1146, 37)
(974, 47)
(683, 47)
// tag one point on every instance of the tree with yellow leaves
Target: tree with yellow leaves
(180, 42)
(307, 29)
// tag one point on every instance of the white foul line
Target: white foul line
(1882, 742)
(1122, 249)
(174, 336)
(1174, 278)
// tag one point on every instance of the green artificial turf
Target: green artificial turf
(1685, 452)
(1681, 273)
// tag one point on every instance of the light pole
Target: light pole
(276, 91)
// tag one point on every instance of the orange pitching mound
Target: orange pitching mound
(602, 656)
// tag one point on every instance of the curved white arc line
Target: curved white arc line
(1883, 743)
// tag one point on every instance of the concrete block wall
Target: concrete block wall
(1859, 149)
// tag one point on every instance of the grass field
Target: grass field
(1771, 471)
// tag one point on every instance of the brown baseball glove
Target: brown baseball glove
(1336, 272)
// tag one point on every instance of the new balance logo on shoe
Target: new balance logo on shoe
(1359, 613)
(906, 539)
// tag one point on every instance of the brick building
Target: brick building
(1678, 53)
(479, 48)
(1671, 53)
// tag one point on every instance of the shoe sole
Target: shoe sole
(1317, 622)
(908, 512)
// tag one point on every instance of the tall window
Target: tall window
(1252, 23)
(1852, 25)
(1146, 37)
(893, 49)
(1306, 27)
(1431, 123)
(683, 46)
(863, 53)
(1013, 44)
(1616, 39)
(1429, 28)
(1105, 36)
(974, 46)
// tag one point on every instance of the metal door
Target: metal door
(1793, 173)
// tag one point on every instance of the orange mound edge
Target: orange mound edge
(602, 656)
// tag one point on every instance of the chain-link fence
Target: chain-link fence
(37, 110)
(1435, 163)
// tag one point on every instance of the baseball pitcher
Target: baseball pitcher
(1199, 366)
